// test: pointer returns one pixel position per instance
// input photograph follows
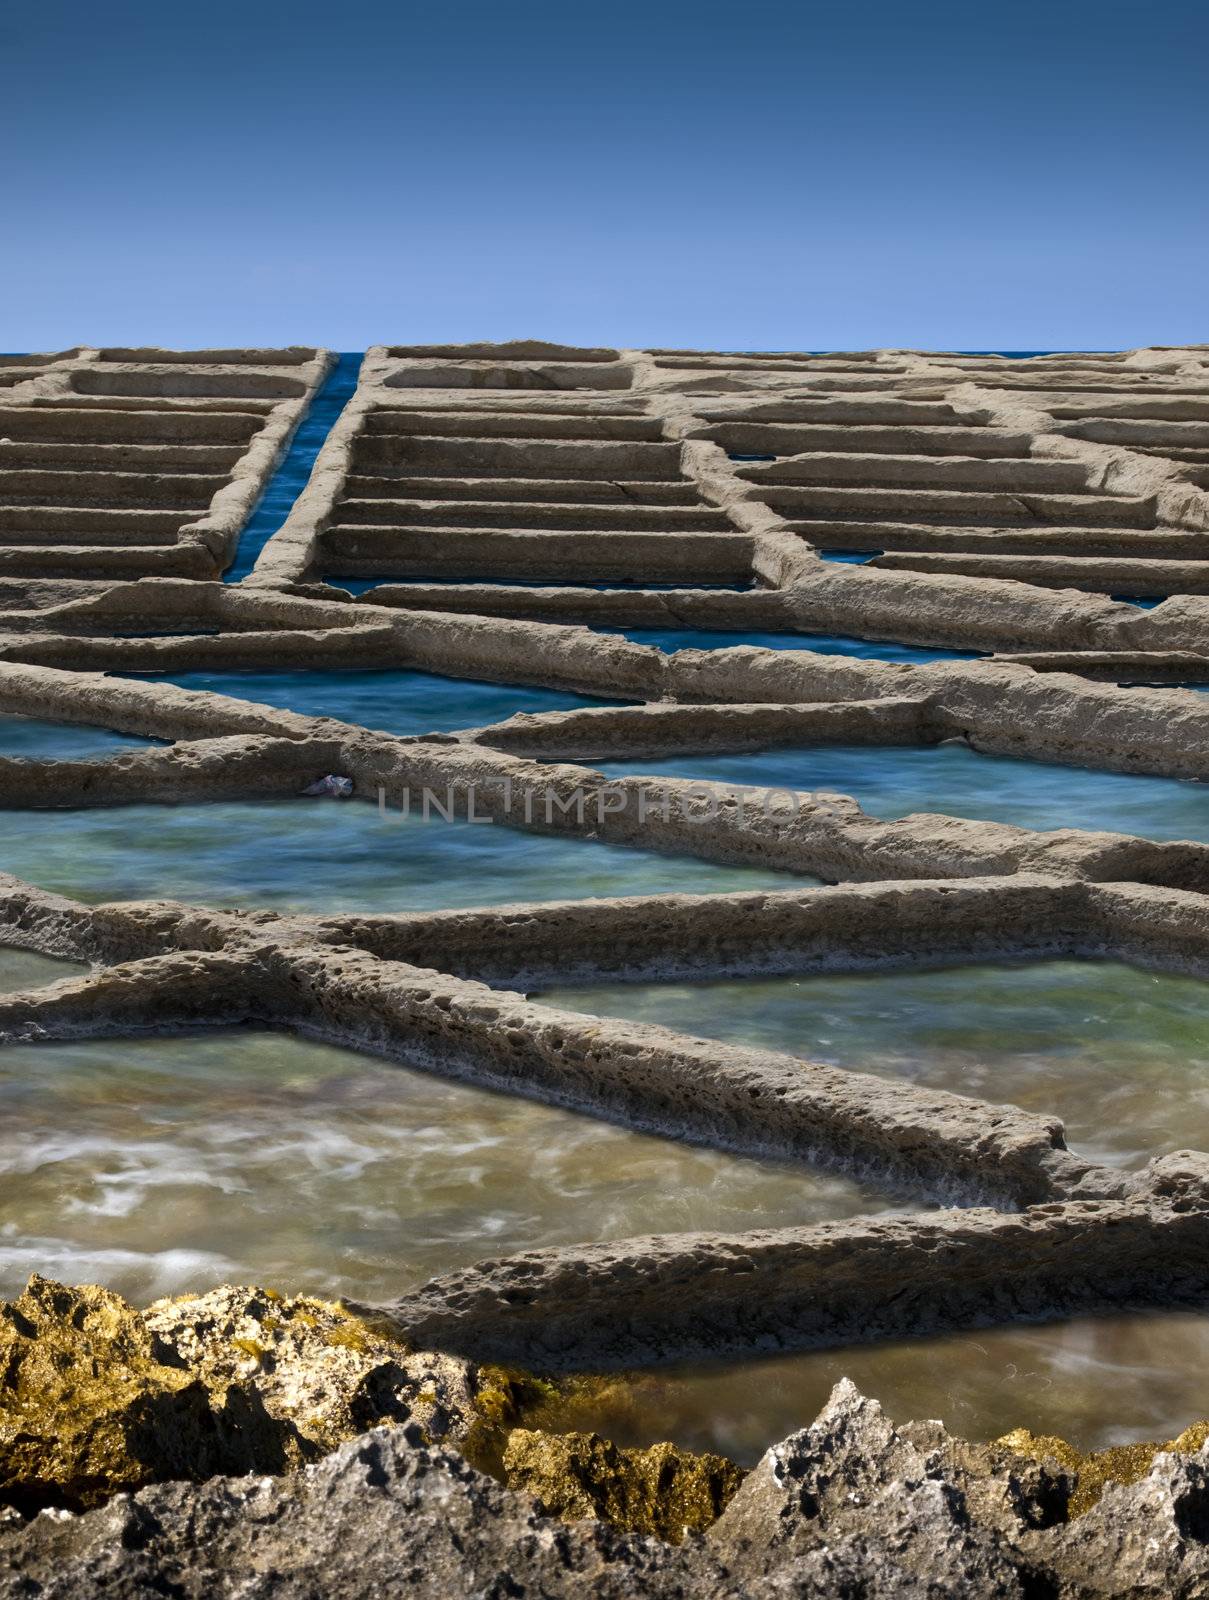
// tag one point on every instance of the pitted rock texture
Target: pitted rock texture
(96, 1397)
(315, 1365)
(383, 1515)
(1096, 1470)
(659, 1490)
(545, 487)
(851, 1506)
(91, 1402)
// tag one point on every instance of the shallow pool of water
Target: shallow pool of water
(1121, 1055)
(390, 700)
(1094, 1381)
(331, 856)
(25, 969)
(668, 639)
(894, 781)
(162, 1165)
(38, 738)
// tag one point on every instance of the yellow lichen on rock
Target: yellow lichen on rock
(501, 1397)
(314, 1363)
(92, 1402)
(1096, 1470)
(96, 1397)
(660, 1490)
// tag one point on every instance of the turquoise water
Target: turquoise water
(37, 738)
(391, 700)
(330, 856)
(1121, 1055)
(288, 482)
(894, 782)
(157, 1166)
(354, 585)
(669, 639)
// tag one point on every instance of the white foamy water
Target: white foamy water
(180, 1162)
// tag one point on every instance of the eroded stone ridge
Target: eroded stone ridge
(120, 463)
(501, 505)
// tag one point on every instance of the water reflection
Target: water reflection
(1094, 1381)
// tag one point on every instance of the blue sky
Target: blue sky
(759, 175)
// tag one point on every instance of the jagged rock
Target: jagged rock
(382, 1515)
(852, 1494)
(315, 1364)
(96, 1397)
(851, 1507)
(1094, 1470)
(1004, 1488)
(92, 1402)
(660, 1490)
(1147, 1538)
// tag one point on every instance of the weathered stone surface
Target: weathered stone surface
(659, 1490)
(383, 1515)
(850, 1506)
(315, 1365)
(609, 1306)
(852, 1480)
(1150, 1538)
(1094, 1471)
(91, 1402)
(97, 1397)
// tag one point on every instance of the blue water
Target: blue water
(37, 738)
(390, 700)
(852, 558)
(356, 586)
(288, 482)
(669, 639)
(637, 584)
(333, 856)
(893, 782)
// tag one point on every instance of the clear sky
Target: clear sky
(771, 174)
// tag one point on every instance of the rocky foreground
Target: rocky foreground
(242, 1444)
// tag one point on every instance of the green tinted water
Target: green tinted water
(1121, 1055)
(331, 856)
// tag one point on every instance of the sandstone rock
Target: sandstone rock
(1146, 1538)
(660, 1490)
(1095, 1470)
(96, 1397)
(851, 1507)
